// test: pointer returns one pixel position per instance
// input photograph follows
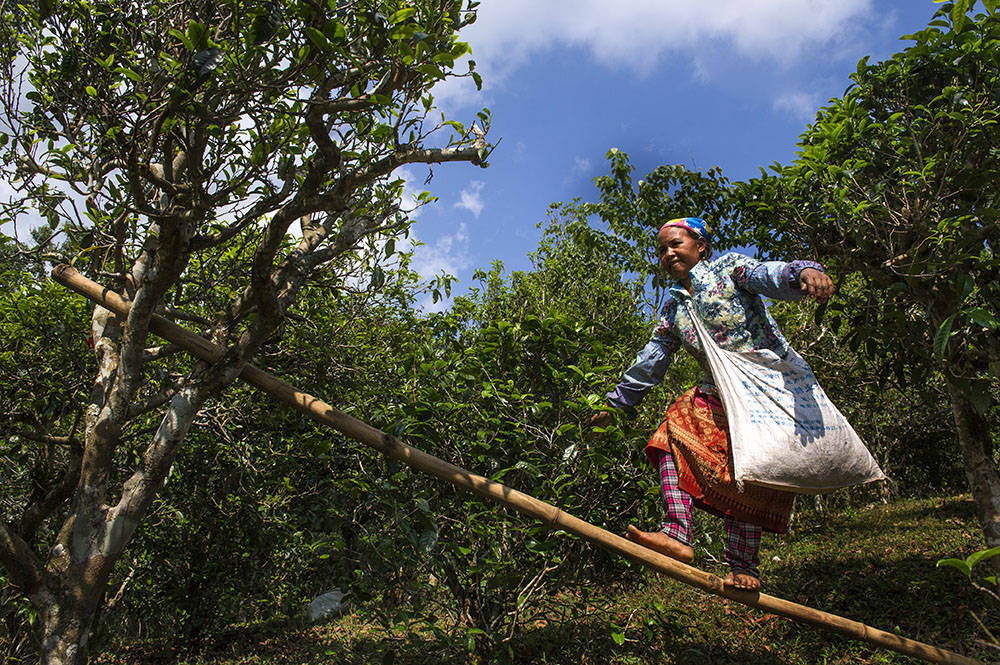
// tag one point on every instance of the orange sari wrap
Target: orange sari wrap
(696, 432)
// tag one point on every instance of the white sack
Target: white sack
(784, 431)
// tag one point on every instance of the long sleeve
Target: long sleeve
(773, 279)
(646, 372)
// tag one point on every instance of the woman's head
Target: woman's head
(696, 228)
(682, 243)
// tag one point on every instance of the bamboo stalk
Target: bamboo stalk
(548, 514)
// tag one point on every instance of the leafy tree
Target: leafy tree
(292, 508)
(44, 360)
(500, 384)
(173, 146)
(910, 434)
(895, 183)
(632, 212)
(505, 385)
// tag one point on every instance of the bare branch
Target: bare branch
(44, 438)
(160, 352)
(413, 155)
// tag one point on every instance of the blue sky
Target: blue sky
(729, 83)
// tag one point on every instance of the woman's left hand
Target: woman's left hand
(816, 284)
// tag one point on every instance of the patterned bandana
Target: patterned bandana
(695, 224)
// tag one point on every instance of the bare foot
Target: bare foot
(662, 543)
(741, 582)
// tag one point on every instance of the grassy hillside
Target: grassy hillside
(875, 565)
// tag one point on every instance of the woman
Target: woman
(691, 447)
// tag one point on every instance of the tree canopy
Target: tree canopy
(896, 182)
(209, 159)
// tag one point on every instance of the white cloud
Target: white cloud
(449, 254)
(581, 166)
(800, 105)
(471, 198)
(408, 201)
(22, 231)
(637, 34)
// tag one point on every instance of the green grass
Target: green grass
(875, 565)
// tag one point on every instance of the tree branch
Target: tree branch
(22, 566)
(410, 155)
(44, 438)
(57, 496)
(181, 315)
(160, 352)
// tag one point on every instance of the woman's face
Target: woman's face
(678, 250)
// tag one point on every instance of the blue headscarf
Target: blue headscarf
(697, 226)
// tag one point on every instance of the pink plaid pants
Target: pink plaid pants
(742, 538)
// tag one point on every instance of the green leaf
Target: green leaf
(976, 557)
(430, 70)
(942, 336)
(958, 14)
(183, 37)
(820, 313)
(957, 564)
(317, 38)
(91, 91)
(991, 6)
(964, 284)
(129, 74)
(378, 278)
(196, 34)
(528, 468)
(267, 23)
(983, 318)
(428, 539)
(402, 15)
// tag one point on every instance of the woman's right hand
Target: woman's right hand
(816, 284)
(600, 419)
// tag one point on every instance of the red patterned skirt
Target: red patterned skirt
(696, 432)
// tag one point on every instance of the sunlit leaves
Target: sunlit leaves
(894, 181)
(965, 566)
(502, 385)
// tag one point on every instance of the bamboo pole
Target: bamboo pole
(548, 514)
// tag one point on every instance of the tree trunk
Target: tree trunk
(64, 642)
(92, 540)
(66, 628)
(980, 467)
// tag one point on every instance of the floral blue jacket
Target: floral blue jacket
(727, 297)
